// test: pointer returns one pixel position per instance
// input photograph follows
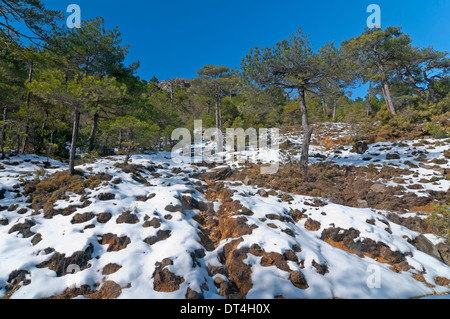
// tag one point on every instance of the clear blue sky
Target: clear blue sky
(177, 37)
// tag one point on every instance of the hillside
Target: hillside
(159, 229)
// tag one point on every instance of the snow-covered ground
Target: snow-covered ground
(348, 275)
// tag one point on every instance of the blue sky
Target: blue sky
(177, 37)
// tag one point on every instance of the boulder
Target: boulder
(444, 251)
(378, 188)
(426, 246)
(362, 203)
(217, 174)
(127, 218)
(360, 147)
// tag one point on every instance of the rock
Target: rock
(15, 280)
(82, 218)
(17, 276)
(116, 180)
(72, 292)
(22, 211)
(321, 269)
(103, 218)
(115, 243)
(228, 289)
(289, 232)
(360, 147)
(247, 180)
(138, 178)
(378, 188)
(127, 218)
(176, 170)
(312, 225)
(173, 209)
(155, 223)
(190, 203)
(59, 263)
(24, 228)
(402, 266)
(263, 193)
(414, 223)
(297, 214)
(36, 239)
(442, 281)
(141, 198)
(345, 239)
(109, 290)
(106, 196)
(362, 203)
(13, 207)
(110, 268)
(160, 235)
(166, 281)
(290, 254)
(274, 259)
(238, 272)
(392, 156)
(426, 246)
(298, 280)
(444, 251)
(287, 198)
(164, 263)
(217, 174)
(192, 294)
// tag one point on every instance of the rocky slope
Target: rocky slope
(160, 229)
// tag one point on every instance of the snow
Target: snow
(348, 273)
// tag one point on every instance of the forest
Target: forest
(66, 92)
(94, 203)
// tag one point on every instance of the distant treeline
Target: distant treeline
(63, 90)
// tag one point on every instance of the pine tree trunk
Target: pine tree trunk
(25, 138)
(220, 113)
(73, 146)
(369, 105)
(93, 131)
(3, 135)
(120, 141)
(384, 95)
(334, 112)
(430, 86)
(129, 149)
(217, 113)
(325, 108)
(18, 142)
(418, 89)
(105, 145)
(384, 82)
(308, 130)
(127, 157)
(387, 92)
